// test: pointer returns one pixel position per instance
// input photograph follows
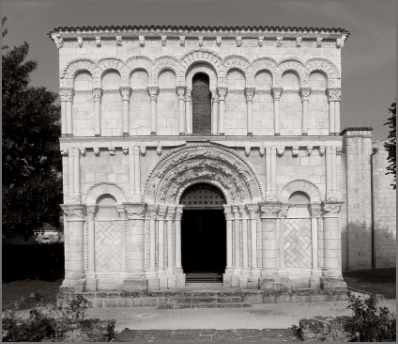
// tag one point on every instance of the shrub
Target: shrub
(36, 261)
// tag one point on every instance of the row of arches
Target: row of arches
(220, 66)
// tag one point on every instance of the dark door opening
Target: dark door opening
(203, 241)
(201, 105)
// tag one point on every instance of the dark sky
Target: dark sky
(368, 58)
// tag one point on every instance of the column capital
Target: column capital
(162, 209)
(277, 92)
(73, 211)
(171, 212)
(153, 92)
(242, 209)
(135, 211)
(91, 210)
(249, 93)
(236, 211)
(214, 96)
(269, 209)
(252, 209)
(181, 92)
(283, 210)
(228, 212)
(305, 93)
(125, 92)
(334, 94)
(222, 92)
(188, 94)
(151, 211)
(315, 209)
(66, 94)
(97, 93)
(179, 212)
(332, 207)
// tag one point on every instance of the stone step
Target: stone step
(205, 299)
(166, 305)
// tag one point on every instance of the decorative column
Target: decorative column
(71, 154)
(334, 170)
(227, 277)
(334, 109)
(245, 242)
(332, 275)
(137, 173)
(222, 92)
(66, 95)
(269, 213)
(151, 267)
(255, 270)
(277, 92)
(97, 111)
(123, 239)
(249, 92)
(171, 211)
(214, 122)
(331, 99)
(76, 174)
(74, 263)
(132, 192)
(315, 212)
(329, 192)
(125, 91)
(281, 230)
(236, 240)
(135, 247)
(337, 111)
(181, 108)
(91, 282)
(272, 151)
(178, 216)
(305, 95)
(188, 111)
(161, 264)
(153, 94)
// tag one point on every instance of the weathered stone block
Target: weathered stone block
(135, 285)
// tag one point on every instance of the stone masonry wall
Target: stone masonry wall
(384, 209)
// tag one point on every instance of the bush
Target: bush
(37, 261)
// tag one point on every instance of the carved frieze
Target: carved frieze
(269, 209)
(73, 211)
(135, 211)
(332, 208)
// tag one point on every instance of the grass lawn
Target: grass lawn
(14, 291)
(375, 281)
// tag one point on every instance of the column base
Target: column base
(136, 284)
(277, 134)
(221, 134)
(153, 284)
(163, 282)
(252, 282)
(178, 271)
(68, 135)
(304, 134)
(246, 272)
(235, 281)
(97, 135)
(126, 134)
(181, 134)
(237, 272)
(171, 282)
(255, 272)
(227, 280)
(243, 282)
(91, 284)
(249, 134)
(153, 133)
(180, 281)
(229, 270)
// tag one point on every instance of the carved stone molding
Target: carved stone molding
(135, 211)
(332, 208)
(269, 209)
(97, 92)
(315, 209)
(171, 212)
(151, 211)
(66, 94)
(305, 93)
(277, 92)
(249, 93)
(179, 212)
(228, 212)
(334, 94)
(91, 211)
(284, 209)
(162, 210)
(125, 91)
(73, 211)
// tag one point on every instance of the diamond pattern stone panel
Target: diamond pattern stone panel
(298, 250)
(108, 246)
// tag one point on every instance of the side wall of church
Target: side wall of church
(384, 209)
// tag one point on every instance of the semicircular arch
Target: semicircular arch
(165, 62)
(241, 63)
(265, 63)
(201, 68)
(294, 65)
(301, 185)
(325, 66)
(76, 66)
(104, 188)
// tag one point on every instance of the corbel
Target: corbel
(295, 151)
(125, 150)
(322, 150)
(299, 41)
(279, 41)
(79, 41)
(119, 40)
(247, 150)
(280, 150)
(96, 151)
(143, 149)
(319, 42)
(164, 41)
(112, 150)
(218, 41)
(262, 151)
(142, 40)
(238, 41)
(308, 150)
(260, 41)
(64, 152)
(58, 40)
(182, 41)
(83, 151)
(340, 41)
(98, 41)
(200, 41)
(159, 149)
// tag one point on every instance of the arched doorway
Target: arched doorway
(203, 233)
(201, 105)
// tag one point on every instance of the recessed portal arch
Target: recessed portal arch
(203, 232)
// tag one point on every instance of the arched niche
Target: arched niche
(201, 68)
(94, 193)
(298, 204)
(106, 207)
(305, 186)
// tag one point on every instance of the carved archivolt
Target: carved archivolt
(182, 67)
(202, 163)
(300, 185)
(201, 68)
(104, 188)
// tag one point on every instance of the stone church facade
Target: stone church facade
(210, 149)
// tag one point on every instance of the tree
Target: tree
(391, 144)
(32, 165)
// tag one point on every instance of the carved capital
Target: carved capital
(315, 209)
(171, 212)
(332, 208)
(269, 209)
(181, 92)
(242, 209)
(284, 210)
(153, 92)
(339, 150)
(162, 210)
(66, 94)
(119, 40)
(151, 211)
(214, 97)
(135, 211)
(236, 211)
(322, 150)
(334, 94)
(277, 92)
(228, 212)
(58, 40)
(295, 150)
(249, 92)
(280, 150)
(252, 208)
(164, 41)
(97, 92)
(188, 94)
(120, 208)
(179, 212)
(72, 211)
(125, 92)
(305, 93)
(222, 92)
(91, 210)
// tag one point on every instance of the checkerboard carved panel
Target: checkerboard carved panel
(108, 246)
(297, 247)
